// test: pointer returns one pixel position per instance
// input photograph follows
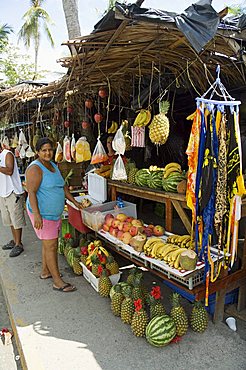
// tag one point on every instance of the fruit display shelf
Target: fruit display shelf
(188, 278)
(93, 280)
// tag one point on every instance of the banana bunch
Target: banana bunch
(166, 250)
(183, 241)
(113, 128)
(155, 168)
(172, 167)
(143, 118)
(95, 248)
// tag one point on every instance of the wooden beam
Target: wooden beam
(104, 51)
(182, 214)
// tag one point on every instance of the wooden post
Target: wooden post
(169, 215)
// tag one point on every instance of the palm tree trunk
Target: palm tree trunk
(70, 8)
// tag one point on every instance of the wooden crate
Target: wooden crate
(78, 171)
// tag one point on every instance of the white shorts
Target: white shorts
(12, 210)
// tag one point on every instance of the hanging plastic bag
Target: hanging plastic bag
(66, 149)
(5, 142)
(22, 138)
(29, 152)
(15, 141)
(118, 143)
(83, 151)
(119, 171)
(73, 148)
(138, 137)
(17, 151)
(59, 153)
(99, 155)
(22, 152)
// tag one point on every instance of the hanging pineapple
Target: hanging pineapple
(139, 319)
(198, 318)
(178, 315)
(159, 127)
(104, 284)
(127, 307)
(154, 300)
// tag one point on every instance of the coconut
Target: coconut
(188, 260)
(138, 241)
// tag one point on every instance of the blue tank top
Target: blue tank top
(50, 194)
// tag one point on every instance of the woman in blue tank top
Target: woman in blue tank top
(45, 204)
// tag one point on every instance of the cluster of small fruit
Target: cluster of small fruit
(126, 228)
(97, 259)
(145, 313)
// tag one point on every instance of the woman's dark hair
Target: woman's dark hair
(42, 141)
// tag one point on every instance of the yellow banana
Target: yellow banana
(115, 127)
(104, 251)
(171, 170)
(148, 117)
(169, 248)
(172, 164)
(155, 248)
(151, 241)
(141, 118)
(160, 250)
(176, 253)
(169, 252)
(111, 128)
(176, 263)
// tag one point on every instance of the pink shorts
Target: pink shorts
(50, 229)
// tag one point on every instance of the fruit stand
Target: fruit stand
(178, 201)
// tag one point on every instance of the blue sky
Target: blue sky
(89, 13)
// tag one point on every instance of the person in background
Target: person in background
(45, 204)
(12, 200)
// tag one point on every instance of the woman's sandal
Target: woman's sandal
(47, 277)
(62, 289)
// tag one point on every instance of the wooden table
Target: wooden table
(178, 201)
(226, 282)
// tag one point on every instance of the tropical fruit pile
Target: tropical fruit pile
(130, 230)
(172, 176)
(72, 255)
(176, 251)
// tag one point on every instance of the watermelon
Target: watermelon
(160, 331)
(155, 180)
(171, 182)
(141, 177)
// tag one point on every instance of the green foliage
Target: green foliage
(5, 30)
(36, 19)
(237, 9)
(15, 67)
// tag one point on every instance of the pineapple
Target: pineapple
(95, 263)
(154, 300)
(83, 258)
(117, 301)
(139, 319)
(77, 268)
(66, 250)
(198, 318)
(104, 284)
(178, 315)
(127, 307)
(112, 265)
(137, 292)
(159, 127)
(131, 175)
(131, 275)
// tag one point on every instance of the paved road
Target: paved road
(9, 358)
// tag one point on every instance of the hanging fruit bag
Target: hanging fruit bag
(138, 136)
(73, 148)
(83, 151)
(59, 153)
(99, 155)
(66, 149)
